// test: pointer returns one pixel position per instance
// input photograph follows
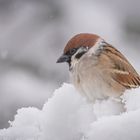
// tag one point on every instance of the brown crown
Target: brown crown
(83, 39)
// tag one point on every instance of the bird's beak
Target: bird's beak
(63, 58)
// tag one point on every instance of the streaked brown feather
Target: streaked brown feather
(122, 71)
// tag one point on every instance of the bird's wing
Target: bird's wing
(122, 71)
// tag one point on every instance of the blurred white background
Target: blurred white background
(33, 34)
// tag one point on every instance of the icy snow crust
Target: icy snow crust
(68, 116)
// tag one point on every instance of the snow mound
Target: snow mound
(68, 116)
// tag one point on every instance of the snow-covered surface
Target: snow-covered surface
(68, 116)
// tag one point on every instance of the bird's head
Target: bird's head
(77, 47)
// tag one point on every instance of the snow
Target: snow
(68, 116)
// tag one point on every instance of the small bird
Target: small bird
(97, 69)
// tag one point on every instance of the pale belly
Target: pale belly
(91, 89)
(92, 83)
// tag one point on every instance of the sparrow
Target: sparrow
(97, 69)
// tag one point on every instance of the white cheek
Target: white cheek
(98, 46)
(74, 61)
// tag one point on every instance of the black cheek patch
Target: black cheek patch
(79, 55)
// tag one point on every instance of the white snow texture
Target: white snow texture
(68, 116)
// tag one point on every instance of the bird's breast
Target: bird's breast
(93, 81)
(87, 79)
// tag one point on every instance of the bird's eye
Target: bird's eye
(73, 51)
